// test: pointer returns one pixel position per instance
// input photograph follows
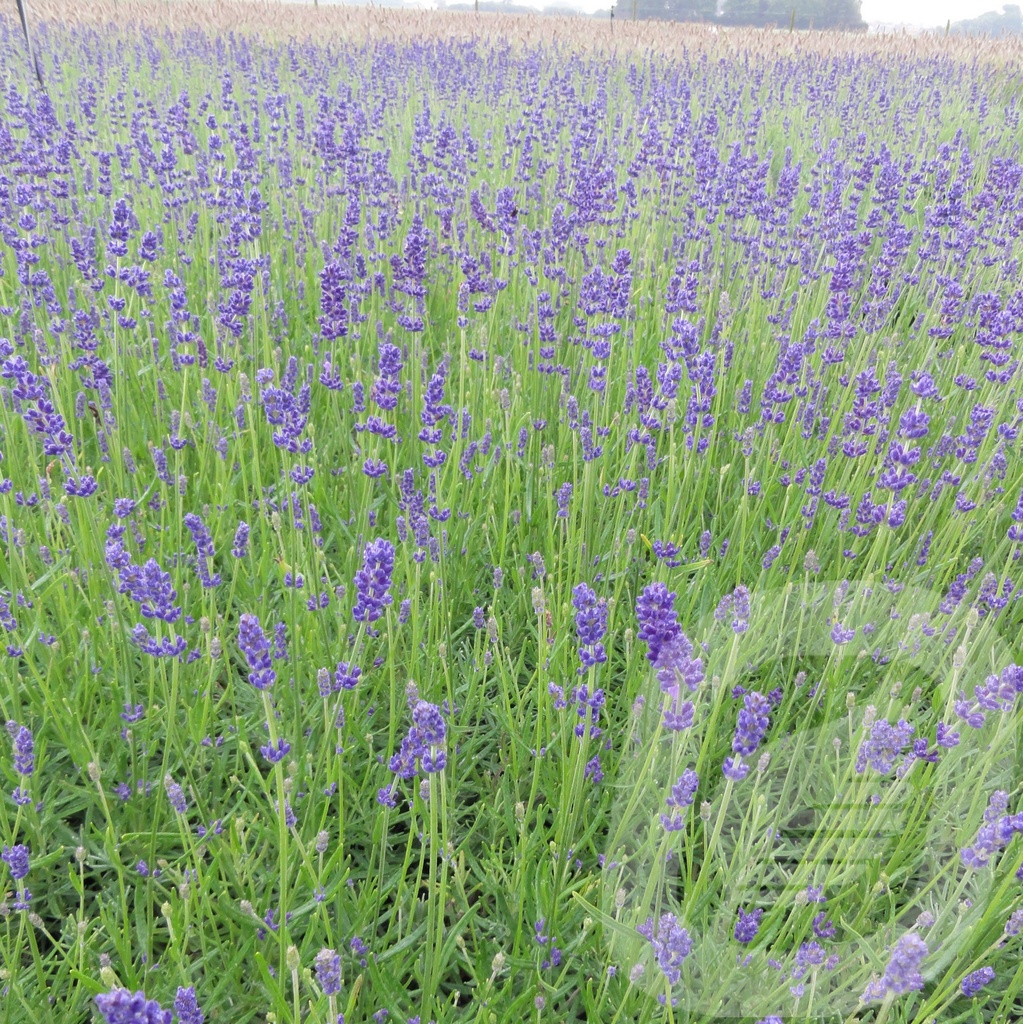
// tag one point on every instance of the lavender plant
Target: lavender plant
(520, 532)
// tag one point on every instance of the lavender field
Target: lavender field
(499, 525)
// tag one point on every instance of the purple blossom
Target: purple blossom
(587, 706)
(669, 651)
(976, 980)
(902, 974)
(328, 971)
(740, 608)
(334, 280)
(747, 925)
(1014, 924)
(429, 723)
(124, 1007)
(346, 676)
(994, 834)
(671, 944)
(998, 693)
(186, 1007)
(430, 732)
(423, 745)
(682, 795)
(256, 648)
(155, 593)
(823, 928)
(752, 724)
(204, 545)
(133, 713)
(656, 616)
(240, 548)
(16, 858)
(590, 624)
(885, 744)
(23, 748)
(175, 794)
(276, 752)
(165, 647)
(840, 635)
(563, 495)
(373, 580)
(675, 664)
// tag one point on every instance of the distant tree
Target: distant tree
(832, 14)
(843, 14)
(669, 10)
(751, 12)
(1009, 22)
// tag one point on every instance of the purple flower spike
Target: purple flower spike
(740, 610)
(429, 723)
(675, 664)
(256, 648)
(16, 858)
(175, 794)
(655, 613)
(24, 749)
(204, 545)
(671, 944)
(328, 971)
(333, 282)
(240, 548)
(974, 982)
(682, 795)
(186, 1007)
(346, 676)
(124, 1007)
(156, 593)
(885, 744)
(994, 834)
(373, 580)
(591, 625)
(752, 724)
(428, 734)
(669, 651)
(747, 926)
(276, 752)
(840, 635)
(902, 974)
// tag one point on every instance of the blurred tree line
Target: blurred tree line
(1009, 22)
(832, 14)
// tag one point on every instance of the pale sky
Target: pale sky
(925, 13)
